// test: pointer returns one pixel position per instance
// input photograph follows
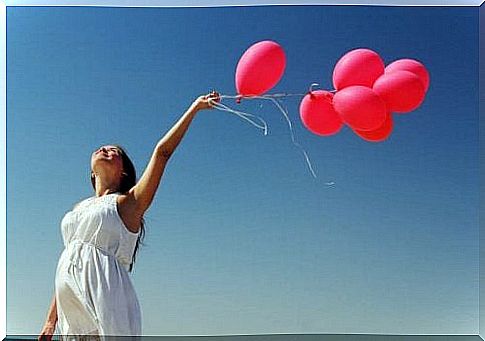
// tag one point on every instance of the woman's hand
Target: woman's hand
(207, 101)
(47, 332)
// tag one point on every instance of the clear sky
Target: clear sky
(240, 238)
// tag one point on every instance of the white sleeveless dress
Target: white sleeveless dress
(94, 293)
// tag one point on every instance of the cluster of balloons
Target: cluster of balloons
(366, 95)
(367, 92)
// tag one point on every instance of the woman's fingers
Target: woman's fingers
(212, 102)
(208, 101)
(212, 98)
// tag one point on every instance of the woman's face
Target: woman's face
(109, 158)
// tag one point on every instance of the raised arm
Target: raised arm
(141, 195)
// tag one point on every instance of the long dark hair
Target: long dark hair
(128, 180)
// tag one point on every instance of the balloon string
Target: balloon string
(285, 113)
(244, 116)
(273, 98)
(272, 95)
(278, 95)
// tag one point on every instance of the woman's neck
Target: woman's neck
(105, 192)
(105, 188)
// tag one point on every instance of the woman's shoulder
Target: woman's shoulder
(82, 202)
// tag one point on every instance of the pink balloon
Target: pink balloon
(318, 115)
(260, 68)
(410, 65)
(380, 134)
(402, 91)
(357, 67)
(360, 107)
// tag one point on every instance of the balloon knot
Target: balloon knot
(311, 89)
(238, 99)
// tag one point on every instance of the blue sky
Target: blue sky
(240, 238)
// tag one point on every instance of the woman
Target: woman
(94, 296)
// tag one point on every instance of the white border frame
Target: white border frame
(133, 3)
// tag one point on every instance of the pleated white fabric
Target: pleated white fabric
(94, 292)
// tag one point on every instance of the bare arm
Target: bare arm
(141, 195)
(52, 313)
(167, 145)
(50, 323)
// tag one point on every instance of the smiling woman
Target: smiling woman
(94, 295)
